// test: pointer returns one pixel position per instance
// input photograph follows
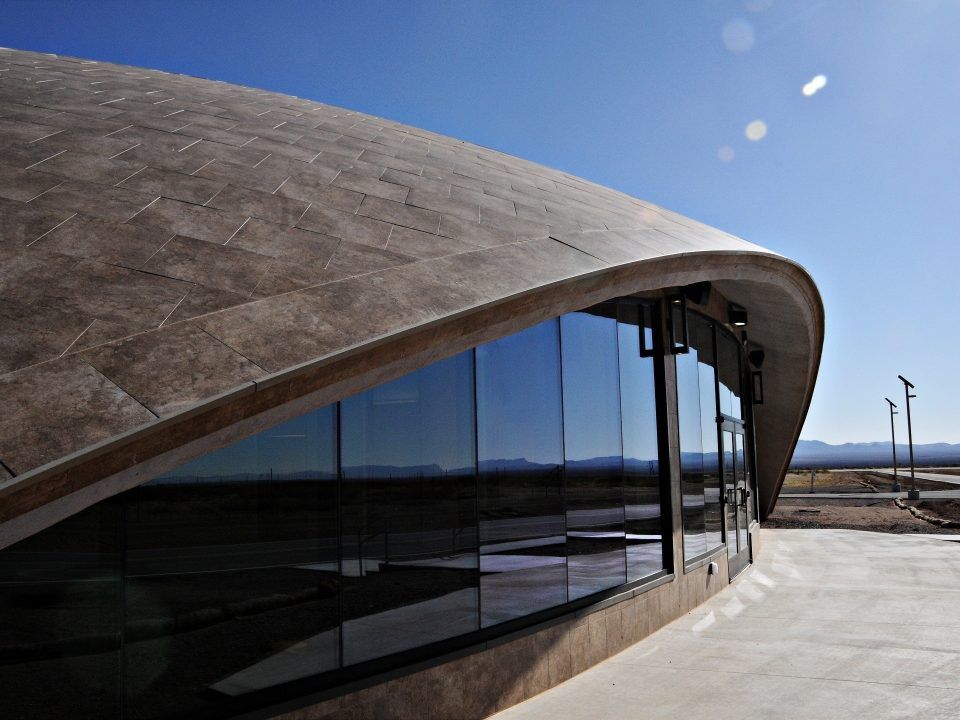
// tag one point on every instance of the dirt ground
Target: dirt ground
(867, 514)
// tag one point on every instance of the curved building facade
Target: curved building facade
(309, 413)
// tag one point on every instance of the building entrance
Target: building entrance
(736, 496)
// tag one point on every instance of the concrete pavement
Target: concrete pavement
(904, 475)
(827, 625)
(924, 495)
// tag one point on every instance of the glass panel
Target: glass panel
(409, 511)
(231, 577)
(728, 351)
(691, 455)
(742, 489)
(591, 413)
(641, 452)
(60, 609)
(730, 494)
(520, 445)
(701, 335)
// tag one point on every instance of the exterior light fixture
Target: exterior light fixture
(646, 330)
(914, 494)
(737, 315)
(757, 381)
(893, 441)
(756, 357)
(677, 324)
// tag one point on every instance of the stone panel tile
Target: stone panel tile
(254, 203)
(283, 277)
(84, 141)
(19, 131)
(468, 231)
(101, 201)
(22, 223)
(235, 137)
(425, 245)
(263, 178)
(109, 242)
(525, 229)
(118, 294)
(202, 300)
(614, 248)
(371, 186)
(203, 223)
(340, 148)
(23, 185)
(489, 202)
(416, 182)
(418, 287)
(33, 333)
(172, 368)
(218, 266)
(303, 320)
(451, 178)
(92, 168)
(177, 186)
(155, 139)
(289, 244)
(329, 195)
(282, 148)
(341, 163)
(400, 214)
(99, 332)
(37, 426)
(375, 158)
(369, 306)
(339, 224)
(353, 258)
(444, 205)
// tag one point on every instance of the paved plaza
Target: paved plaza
(827, 625)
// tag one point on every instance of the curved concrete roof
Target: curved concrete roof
(184, 261)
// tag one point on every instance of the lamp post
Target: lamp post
(914, 494)
(893, 441)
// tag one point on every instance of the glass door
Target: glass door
(736, 496)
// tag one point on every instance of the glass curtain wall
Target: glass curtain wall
(61, 619)
(643, 511)
(520, 489)
(699, 441)
(483, 488)
(408, 511)
(596, 539)
(231, 578)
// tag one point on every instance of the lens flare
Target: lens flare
(815, 85)
(756, 130)
(725, 154)
(738, 36)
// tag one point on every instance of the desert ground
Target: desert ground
(880, 514)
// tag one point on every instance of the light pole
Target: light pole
(893, 441)
(914, 494)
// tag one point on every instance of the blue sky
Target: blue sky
(860, 182)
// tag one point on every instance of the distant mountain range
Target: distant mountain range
(814, 453)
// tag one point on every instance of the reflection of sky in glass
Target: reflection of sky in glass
(304, 445)
(591, 407)
(638, 401)
(728, 352)
(688, 407)
(421, 422)
(518, 397)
